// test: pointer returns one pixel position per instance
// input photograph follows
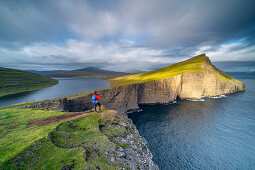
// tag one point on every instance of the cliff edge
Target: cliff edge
(189, 79)
(80, 140)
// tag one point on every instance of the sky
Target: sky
(126, 35)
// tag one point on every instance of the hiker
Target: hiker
(95, 100)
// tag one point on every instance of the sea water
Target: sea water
(213, 133)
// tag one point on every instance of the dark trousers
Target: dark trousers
(98, 104)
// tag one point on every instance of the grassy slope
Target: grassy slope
(192, 64)
(14, 134)
(25, 146)
(16, 81)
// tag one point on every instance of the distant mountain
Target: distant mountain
(16, 81)
(46, 72)
(85, 72)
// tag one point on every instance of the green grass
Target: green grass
(190, 65)
(14, 134)
(16, 81)
(78, 143)
(124, 145)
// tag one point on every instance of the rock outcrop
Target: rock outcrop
(133, 153)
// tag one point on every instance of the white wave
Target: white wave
(134, 111)
(216, 97)
(196, 100)
(174, 102)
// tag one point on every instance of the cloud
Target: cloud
(133, 34)
(118, 56)
(233, 56)
(232, 51)
(162, 23)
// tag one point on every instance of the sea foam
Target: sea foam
(196, 100)
(216, 97)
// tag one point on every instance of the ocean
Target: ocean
(213, 133)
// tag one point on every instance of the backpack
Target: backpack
(94, 99)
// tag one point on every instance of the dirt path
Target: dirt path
(57, 118)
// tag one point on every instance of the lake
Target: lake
(217, 133)
(66, 86)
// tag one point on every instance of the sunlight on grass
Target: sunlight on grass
(14, 134)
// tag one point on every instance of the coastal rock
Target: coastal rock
(135, 155)
(121, 154)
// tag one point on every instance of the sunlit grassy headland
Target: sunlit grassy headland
(190, 65)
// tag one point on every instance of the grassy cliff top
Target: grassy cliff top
(42, 139)
(196, 63)
(16, 81)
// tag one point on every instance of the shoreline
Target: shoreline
(54, 82)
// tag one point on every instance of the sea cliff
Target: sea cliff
(210, 81)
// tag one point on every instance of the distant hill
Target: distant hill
(46, 72)
(86, 72)
(16, 81)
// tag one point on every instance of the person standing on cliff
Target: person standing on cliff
(96, 101)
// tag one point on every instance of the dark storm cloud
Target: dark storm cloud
(137, 34)
(164, 22)
(31, 21)
(195, 22)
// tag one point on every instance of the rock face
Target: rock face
(192, 85)
(134, 153)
